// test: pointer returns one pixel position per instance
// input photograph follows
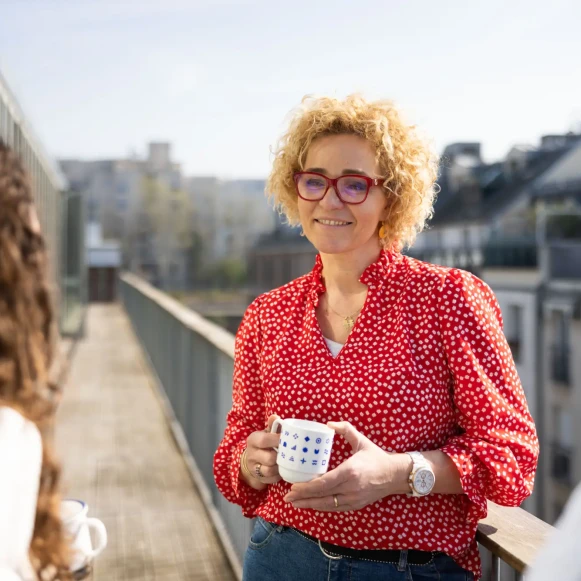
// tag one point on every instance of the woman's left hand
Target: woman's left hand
(366, 477)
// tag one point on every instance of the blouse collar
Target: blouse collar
(373, 276)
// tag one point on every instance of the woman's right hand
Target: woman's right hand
(260, 453)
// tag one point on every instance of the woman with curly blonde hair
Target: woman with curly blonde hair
(405, 360)
(32, 544)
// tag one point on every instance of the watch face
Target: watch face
(424, 481)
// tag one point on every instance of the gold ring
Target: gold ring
(335, 501)
(257, 470)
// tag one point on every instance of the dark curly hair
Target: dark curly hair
(27, 343)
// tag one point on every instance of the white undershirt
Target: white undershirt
(20, 465)
(333, 346)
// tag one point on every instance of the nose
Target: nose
(331, 200)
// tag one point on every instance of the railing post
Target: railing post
(495, 571)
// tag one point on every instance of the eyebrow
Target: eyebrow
(344, 172)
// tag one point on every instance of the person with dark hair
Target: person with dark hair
(32, 541)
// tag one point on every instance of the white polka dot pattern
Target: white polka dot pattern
(426, 367)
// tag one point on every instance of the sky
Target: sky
(217, 79)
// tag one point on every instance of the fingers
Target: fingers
(264, 457)
(324, 485)
(345, 502)
(266, 474)
(263, 440)
(271, 421)
(347, 430)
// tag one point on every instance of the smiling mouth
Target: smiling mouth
(333, 222)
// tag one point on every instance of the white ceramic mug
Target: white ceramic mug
(304, 450)
(76, 526)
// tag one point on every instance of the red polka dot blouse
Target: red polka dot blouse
(426, 367)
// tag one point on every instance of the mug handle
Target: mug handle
(274, 428)
(101, 534)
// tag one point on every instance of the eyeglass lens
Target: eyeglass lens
(351, 188)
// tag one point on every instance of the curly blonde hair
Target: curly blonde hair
(27, 339)
(407, 162)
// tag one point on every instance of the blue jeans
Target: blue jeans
(278, 553)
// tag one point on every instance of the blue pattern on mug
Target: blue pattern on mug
(318, 440)
(284, 444)
(303, 461)
(294, 447)
(315, 462)
(307, 439)
(295, 436)
(305, 450)
(317, 451)
(323, 462)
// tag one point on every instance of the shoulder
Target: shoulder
(420, 271)
(18, 434)
(450, 287)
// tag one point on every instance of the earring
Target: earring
(301, 233)
(382, 231)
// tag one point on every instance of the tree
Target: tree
(161, 232)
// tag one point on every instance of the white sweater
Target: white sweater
(20, 465)
(559, 558)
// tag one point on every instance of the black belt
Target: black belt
(414, 556)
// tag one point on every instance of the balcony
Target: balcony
(560, 365)
(501, 254)
(510, 255)
(153, 363)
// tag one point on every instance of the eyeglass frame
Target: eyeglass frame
(332, 182)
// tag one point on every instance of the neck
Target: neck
(341, 272)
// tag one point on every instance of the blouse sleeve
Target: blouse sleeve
(496, 449)
(246, 416)
(20, 465)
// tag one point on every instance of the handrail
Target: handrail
(513, 535)
(215, 334)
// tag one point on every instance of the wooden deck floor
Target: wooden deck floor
(119, 456)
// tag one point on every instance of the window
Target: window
(560, 360)
(562, 449)
(513, 323)
(563, 426)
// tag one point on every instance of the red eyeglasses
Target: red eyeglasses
(350, 189)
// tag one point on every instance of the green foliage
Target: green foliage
(227, 273)
(564, 227)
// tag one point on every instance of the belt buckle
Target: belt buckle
(329, 555)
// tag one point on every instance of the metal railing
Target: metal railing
(60, 216)
(510, 254)
(194, 360)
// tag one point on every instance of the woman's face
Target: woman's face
(334, 155)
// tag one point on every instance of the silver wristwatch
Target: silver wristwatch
(421, 479)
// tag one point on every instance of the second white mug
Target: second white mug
(304, 450)
(76, 526)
